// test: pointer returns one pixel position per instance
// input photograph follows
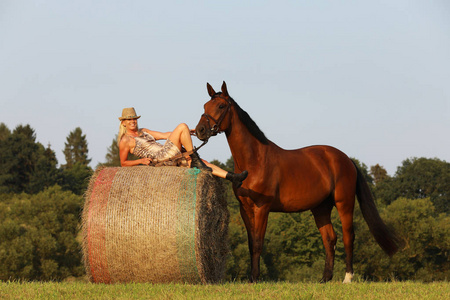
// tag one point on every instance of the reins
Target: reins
(214, 131)
(181, 155)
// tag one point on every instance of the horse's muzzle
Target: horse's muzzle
(202, 132)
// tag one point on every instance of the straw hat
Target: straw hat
(128, 114)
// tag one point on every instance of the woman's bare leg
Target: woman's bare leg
(216, 171)
(181, 136)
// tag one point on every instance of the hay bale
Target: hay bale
(147, 224)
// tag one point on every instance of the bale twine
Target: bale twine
(147, 224)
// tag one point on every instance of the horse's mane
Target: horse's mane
(249, 123)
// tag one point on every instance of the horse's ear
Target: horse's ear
(224, 90)
(211, 91)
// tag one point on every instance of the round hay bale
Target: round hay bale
(148, 224)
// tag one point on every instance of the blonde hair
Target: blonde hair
(122, 132)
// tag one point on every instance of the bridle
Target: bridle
(215, 128)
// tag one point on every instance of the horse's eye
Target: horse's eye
(222, 106)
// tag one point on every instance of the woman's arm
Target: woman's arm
(158, 135)
(124, 150)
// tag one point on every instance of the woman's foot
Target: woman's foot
(237, 179)
(197, 162)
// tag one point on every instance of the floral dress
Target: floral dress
(147, 146)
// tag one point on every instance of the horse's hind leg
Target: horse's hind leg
(322, 216)
(345, 206)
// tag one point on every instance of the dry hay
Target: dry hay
(148, 224)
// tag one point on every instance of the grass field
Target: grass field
(280, 290)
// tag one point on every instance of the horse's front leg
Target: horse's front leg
(322, 216)
(255, 219)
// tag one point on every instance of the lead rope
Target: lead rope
(181, 155)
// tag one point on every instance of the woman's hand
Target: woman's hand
(145, 161)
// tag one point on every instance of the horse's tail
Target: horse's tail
(384, 236)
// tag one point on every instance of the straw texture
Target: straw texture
(149, 224)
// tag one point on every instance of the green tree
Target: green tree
(76, 178)
(228, 166)
(4, 132)
(76, 149)
(427, 244)
(20, 157)
(38, 236)
(378, 173)
(218, 163)
(293, 244)
(419, 178)
(46, 172)
(76, 172)
(238, 263)
(25, 165)
(113, 156)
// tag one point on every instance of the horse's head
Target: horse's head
(216, 118)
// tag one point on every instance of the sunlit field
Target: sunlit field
(280, 290)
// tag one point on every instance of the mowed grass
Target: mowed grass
(279, 290)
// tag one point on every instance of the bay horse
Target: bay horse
(315, 178)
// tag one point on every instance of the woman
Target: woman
(142, 143)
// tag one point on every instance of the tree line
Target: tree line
(29, 167)
(40, 207)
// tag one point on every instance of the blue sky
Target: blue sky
(371, 78)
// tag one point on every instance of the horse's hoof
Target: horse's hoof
(325, 279)
(252, 280)
(348, 278)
